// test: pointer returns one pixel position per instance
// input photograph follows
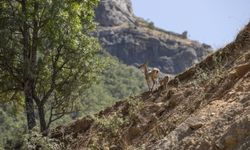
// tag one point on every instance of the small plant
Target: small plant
(111, 123)
(151, 25)
(160, 131)
(184, 34)
(35, 140)
(135, 105)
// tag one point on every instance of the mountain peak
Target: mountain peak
(114, 12)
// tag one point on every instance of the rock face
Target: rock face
(134, 40)
(114, 12)
(208, 108)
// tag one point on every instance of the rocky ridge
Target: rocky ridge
(205, 107)
(134, 40)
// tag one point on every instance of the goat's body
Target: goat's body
(150, 75)
(164, 81)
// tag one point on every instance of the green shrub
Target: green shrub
(35, 140)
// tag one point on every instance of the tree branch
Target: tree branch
(59, 104)
(55, 70)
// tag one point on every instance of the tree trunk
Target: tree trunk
(43, 127)
(29, 105)
(27, 68)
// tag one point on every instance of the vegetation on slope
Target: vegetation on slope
(117, 82)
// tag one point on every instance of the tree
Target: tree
(47, 55)
(184, 34)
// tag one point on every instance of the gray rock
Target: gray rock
(169, 142)
(136, 45)
(114, 12)
(133, 40)
(237, 136)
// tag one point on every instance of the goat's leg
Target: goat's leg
(148, 85)
(153, 85)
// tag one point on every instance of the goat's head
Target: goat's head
(143, 65)
(156, 70)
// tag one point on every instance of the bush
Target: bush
(35, 140)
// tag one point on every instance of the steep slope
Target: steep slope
(134, 40)
(205, 107)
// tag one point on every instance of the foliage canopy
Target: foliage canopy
(47, 55)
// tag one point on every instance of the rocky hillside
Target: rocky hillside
(205, 107)
(134, 40)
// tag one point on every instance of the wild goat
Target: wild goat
(164, 81)
(151, 75)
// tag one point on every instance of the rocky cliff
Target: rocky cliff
(114, 12)
(134, 40)
(205, 107)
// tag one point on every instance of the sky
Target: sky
(214, 22)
